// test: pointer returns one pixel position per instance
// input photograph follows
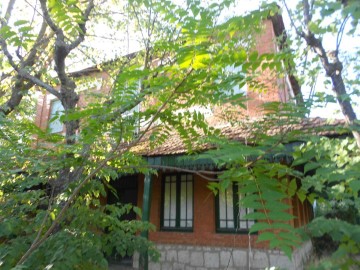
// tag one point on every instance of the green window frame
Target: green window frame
(177, 207)
(229, 214)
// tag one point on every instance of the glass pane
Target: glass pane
(173, 201)
(189, 202)
(230, 224)
(186, 201)
(233, 71)
(222, 205)
(229, 203)
(226, 208)
(183, 201)
(242, 213)
(57, 110)
(167, 200)
(170, 202)
(242, 224)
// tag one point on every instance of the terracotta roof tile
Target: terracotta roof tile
(173, 145)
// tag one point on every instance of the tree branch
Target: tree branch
(82, 26)
(48, 19)
(340, 33)
(332, 69)
(300, 34)
(23, 73)
(8, 12)
(307, 13)
(115, 152)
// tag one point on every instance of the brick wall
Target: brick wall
(44, 101)
(275, 89)
(204, 231)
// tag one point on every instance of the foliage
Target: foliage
(51, 211)
(330, 165)
(331, 168)
(52, 186)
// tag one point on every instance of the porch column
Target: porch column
(144, 258)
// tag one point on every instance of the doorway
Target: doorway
(125, 191)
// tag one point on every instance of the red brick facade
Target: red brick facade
(276, 89)
(204, 229)
(204, 232)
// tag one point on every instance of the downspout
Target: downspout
(144, 257)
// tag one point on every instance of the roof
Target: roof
(174, 145)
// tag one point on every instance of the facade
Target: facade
(194, 228)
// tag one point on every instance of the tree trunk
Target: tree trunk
(345, 105)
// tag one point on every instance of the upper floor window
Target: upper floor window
(56, 110)
(233, 73)
(177, 202)
(229, 213)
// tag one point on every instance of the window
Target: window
(56, 110)
(234, 74)
(229, 214)
(177, 202)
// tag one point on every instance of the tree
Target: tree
(309, 27)
(57, 186)
(330, 164)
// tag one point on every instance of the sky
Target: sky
(118, 45)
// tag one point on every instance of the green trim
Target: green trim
(144, 258)
(182, 161)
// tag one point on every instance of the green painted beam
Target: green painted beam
(144, 257)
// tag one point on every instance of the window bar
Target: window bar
(178, 201)
(236, 208)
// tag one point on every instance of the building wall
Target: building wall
(275, 89)
(85, 96)
(204, 228)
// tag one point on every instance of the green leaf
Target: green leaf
(20, 22)
(355, 185)
(260, 226)
(253, 56)
(311, 166)
(266, 236)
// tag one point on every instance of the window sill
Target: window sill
(232, 231)
(186, 230)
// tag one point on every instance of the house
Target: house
(194, 228)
